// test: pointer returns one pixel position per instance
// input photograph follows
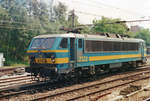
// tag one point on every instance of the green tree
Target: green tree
(14, 30)
(21, 20)
(60, 12)
(109, 25)
(144, 34)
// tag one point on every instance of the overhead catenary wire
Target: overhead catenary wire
(99, 4)
(10, 24)
(86, 4)
(87, 13)
(17, 22)
(105, 5)
(123, 21)
(118, 22)
(111, 6)
(11, 27)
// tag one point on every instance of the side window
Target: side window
(80, 43)
(63, 43)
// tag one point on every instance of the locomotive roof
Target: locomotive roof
(90, 36)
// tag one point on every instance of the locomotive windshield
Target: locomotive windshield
(42, 43)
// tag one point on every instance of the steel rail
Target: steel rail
(13, 78)
(16, 83)
(16, 79)
(10, 94)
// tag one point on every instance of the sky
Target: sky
(88, 10)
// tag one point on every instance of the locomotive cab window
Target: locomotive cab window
(42, 43)
(63, 43)
(80, 43)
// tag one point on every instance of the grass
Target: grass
(15, 63)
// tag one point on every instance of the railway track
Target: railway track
(10, 92)
(7, 71)
(12, 79)
(17, 90)
(18, 80)
(106, 89)
(96, 86)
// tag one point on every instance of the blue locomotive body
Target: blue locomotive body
(64, 53)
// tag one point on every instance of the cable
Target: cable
(138, 20)
(118, 22)
(106, 5)
(125, 21)
(11, 22)
(11, 27)
(88, 13)
(86, 4)
(110, 6)
(7, 21)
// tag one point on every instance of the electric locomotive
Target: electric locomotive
(55, 55)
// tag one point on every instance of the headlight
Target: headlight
(53, 59)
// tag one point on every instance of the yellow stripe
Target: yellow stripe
(96, 58)
(49, 61)
(54, 51)
(62, 60)
(32, 51)
(35, 51)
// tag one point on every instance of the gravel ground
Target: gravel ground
(115, 96)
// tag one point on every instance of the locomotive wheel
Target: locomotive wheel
(92, 70)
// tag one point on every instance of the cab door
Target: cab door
(142, 49)
(72, 50)
(76, 51)
(79, 50)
